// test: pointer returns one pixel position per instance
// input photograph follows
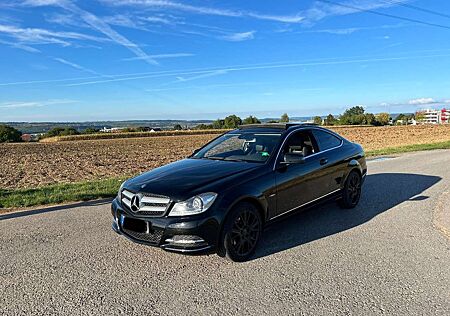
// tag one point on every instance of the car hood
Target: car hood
(183, 179)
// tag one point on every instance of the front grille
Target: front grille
(150, 204)
(153, 237)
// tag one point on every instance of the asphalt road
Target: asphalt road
(391, 255)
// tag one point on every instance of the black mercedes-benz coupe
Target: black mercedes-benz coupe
(223, 195)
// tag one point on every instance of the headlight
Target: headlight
(195, 205)
(120, 191)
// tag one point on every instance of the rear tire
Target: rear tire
(351, 193)
(241, 232)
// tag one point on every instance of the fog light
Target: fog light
(185, 240)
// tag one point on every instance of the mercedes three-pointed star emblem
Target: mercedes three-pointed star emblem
(135, 203)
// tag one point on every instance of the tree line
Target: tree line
(353, 116)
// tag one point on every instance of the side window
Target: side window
(300, 143)
(326, 140)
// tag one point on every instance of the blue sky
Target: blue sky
(66, 60)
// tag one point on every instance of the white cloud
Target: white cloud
(42, 36)
(124, 21)
(28, 104)
(38, 3)
(156, 19)
(321, 10)
(318, 10)
(421, 101)
(21, 46)
(239, 37)
(351, 30)
(76, 66)
(205, 75)
(162, 56)
(178, 6)
(312, 63)
(297, 18)
(97, 24)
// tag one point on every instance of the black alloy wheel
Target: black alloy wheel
(351, 193)
(242, 231)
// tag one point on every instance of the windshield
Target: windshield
(249, 147)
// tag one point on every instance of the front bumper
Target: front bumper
(194, 234)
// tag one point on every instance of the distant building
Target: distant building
(111, 130)
(155, 129)
(445, 116)
(30, 137)
(432, 116)
(26, 137)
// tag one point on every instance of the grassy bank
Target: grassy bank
(408, 148)
(107, 188)
(60, 193)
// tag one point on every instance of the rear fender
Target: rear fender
(353, 164)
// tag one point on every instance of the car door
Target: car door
(300, 183)
(335, 166)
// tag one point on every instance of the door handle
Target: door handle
(323, 161)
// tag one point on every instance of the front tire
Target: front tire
(351, 193)
(241, 232)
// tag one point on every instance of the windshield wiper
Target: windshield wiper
(215, 158)
(236, 159)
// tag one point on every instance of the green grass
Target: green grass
(107, 188)
(408, 148)
(60, 193)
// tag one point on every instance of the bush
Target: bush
(9, 134)
(317, 120)
(91, 130)
(330, 120)
(204, 126)
(60, 131)
(251, 120)
(284, 118)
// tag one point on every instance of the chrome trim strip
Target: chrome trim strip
(128, 194)
(154, 199)
(184, 250)
(127, 203)
(185, 241)
(297, 207)
(160, 209)
(307, 157)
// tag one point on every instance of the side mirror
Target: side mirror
(293, 159)
(195, 151)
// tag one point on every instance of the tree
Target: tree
(218, 124)
(353, 116)
(177, 127)
(9, 134)
(317, 120)
(330, 120)
(284, 118)
(356, 110)
(69, 131)
(91, 130)
(383, 118)
(232, 121)
(420, 116)
(251, 120)
(203, 126)
(60, 131)
(370, 119)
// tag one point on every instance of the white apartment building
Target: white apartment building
(432, 116)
